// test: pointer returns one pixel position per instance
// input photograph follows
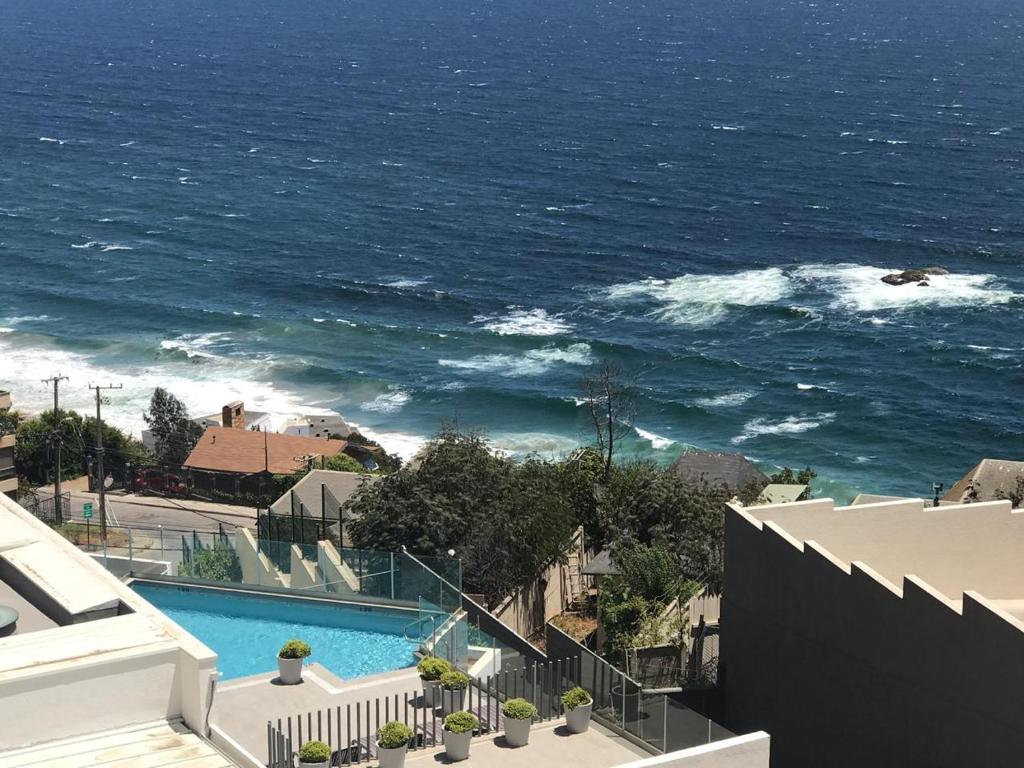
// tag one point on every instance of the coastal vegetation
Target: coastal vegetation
(173, 430)
(37, 438)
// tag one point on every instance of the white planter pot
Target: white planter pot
(456, 745)
(578, 720)
(289, 670)
(430, 692)
(517, 732)
(392, 758)
(324, 764)
(453, 701)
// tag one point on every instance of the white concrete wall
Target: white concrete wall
(750, 751)
(94, 675)
(256, 567)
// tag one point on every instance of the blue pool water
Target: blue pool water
(247, 630)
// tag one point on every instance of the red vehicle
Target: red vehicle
(160, 483)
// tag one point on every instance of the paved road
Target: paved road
(174, 514)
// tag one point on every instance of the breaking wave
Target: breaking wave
(532, 363)
(705, 299)
(791, 425)
(525, 322)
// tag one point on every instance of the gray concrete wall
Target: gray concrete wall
(844, 668)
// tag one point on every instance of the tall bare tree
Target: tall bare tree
(609, 401)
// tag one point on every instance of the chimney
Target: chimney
(232, 415)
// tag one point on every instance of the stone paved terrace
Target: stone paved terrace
(242, 708)
(551, 746)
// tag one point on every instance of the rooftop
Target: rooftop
(732, 470)
(991, 479)
(308, 491)
(243, 451)
(954, 548)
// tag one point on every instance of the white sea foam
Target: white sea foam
(791, 425)
(808, 387)
(525, 443)
(204, 388)
(525, 322)
(657, 442)
(399, 443)
(706, 299)
(49, 140)
(405, 283)
(728, 400)
(194, 345)
(388, 402)
(532, 363)
(860, 288)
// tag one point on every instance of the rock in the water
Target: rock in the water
(919, 276)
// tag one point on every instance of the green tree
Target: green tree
(341, 462)
(387, 462)
(647, 504)
(786, 476)
(505, 519)
(174, 432)
(34, 455)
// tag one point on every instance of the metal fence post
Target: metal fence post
(162, 542)
(392, 575)
(130, 552)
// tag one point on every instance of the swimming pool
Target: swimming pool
(246, 630)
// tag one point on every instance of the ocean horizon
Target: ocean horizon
(420, 212)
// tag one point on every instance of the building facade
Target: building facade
(879, 635)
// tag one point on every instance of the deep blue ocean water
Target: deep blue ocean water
(410, 211)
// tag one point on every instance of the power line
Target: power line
(57, 440)
(99, 457)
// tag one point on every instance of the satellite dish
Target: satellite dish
(108, 481)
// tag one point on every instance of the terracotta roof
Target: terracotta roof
(246, 452)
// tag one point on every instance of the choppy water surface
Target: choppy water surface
(410, 211)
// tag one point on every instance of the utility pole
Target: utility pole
(99, 459)
(57, 441)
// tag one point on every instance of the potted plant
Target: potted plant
(289, 661)
(519, 714)
(458, 731)
(577, 703)
(392, 743)
(454, 685)
(314, 754)
(431, 669)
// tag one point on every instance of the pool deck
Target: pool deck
(242, 707)
(551, 746)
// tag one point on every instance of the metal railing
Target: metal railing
(350, 730)
(622, 703)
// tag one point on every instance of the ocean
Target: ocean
(411, 212)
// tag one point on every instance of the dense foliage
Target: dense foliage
(219, 563)
(295, 649)
(342, 462)
(461, 722)
(453, 680)
(314, 752)
(575, 697)
(174, 432)
(34, 452)
(505, 519)
(518, 709)
(393, 735)
(433, 667)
